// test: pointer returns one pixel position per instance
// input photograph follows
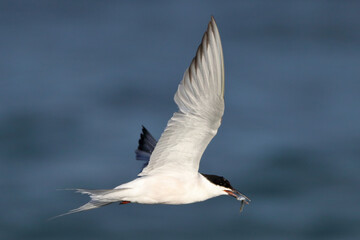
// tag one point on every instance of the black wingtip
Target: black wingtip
(144, 131)
(147, 142)
(146, 145)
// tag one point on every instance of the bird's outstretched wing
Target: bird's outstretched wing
(200, 98)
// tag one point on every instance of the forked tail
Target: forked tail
(98, 199)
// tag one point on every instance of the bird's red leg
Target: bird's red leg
(124, 202)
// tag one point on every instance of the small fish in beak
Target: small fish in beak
(239, 196)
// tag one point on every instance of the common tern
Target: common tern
(170, 173)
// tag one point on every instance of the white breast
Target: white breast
(169, 189)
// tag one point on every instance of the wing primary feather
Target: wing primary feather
(200, 102)
(146, 145)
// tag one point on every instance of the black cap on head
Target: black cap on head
(218, 180)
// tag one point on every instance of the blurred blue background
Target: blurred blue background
(79, 78)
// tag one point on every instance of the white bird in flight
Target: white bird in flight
(170, 174)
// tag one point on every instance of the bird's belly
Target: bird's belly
(164, 190)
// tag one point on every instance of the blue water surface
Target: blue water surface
(79, 78)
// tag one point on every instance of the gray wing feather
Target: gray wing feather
(146, 146)
(200, 99)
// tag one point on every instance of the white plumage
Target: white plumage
(200, 98)
(171, 175)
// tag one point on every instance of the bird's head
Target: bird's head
(225, 188)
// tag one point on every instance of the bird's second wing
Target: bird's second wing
(200, 98)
